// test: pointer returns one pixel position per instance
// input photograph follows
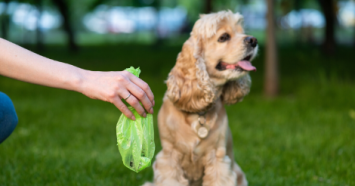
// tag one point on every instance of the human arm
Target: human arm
(21, 64)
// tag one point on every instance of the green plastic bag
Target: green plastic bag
(135, 139)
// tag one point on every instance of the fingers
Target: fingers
(133, 101)
(144, 86)
(139, 95)
(123, 108)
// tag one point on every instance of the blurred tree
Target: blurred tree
(39, 32)
(297, 6)
(5, 20)
(194, 8)
(305, 32)
(354, 36)
(219, 5)
(138, 3)
(328, 9)
(92, 4)
(63, 8)
(96, 3)
(208, 6)
(271, 85)
(159, 41)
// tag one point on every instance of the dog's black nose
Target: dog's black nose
(251, 41)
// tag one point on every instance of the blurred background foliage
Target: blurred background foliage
(295, 128)
(98, 21)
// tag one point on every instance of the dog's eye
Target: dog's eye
(224, 37)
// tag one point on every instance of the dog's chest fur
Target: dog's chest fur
(196, 150)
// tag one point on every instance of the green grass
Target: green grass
(303, 137)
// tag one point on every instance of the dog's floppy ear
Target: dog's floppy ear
(234, 91)
(189, 85)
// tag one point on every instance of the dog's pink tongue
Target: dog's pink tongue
(246, 65)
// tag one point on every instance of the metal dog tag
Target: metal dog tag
(202, 132)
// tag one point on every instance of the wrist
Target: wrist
(78, 80)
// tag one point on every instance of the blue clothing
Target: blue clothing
(8, 117)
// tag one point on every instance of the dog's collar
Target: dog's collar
(202, 113)
(200, 126)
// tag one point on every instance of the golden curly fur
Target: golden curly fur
(195, 86)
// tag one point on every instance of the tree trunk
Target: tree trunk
(208, 6)
(63, 7)
(271, 63)
(39, 32)
(327, 7)
(5, 21)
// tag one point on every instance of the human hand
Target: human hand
(114, 86)
(24, 65)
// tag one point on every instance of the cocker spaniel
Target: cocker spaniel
(211, 70)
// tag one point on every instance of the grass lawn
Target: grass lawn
(303, 137)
